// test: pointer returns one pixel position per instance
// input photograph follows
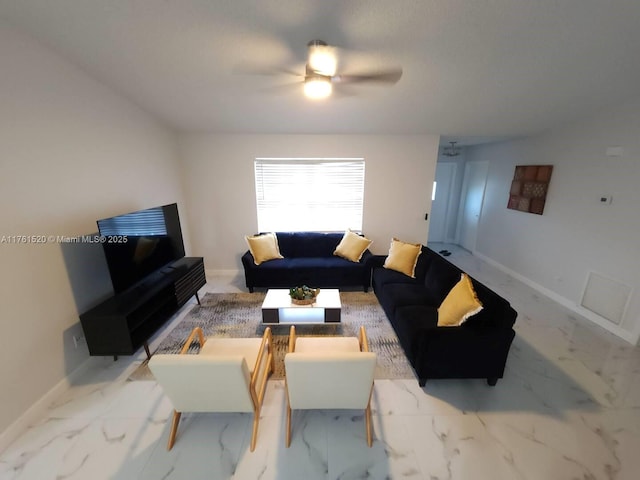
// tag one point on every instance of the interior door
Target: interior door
(473, 187)
(440, 206)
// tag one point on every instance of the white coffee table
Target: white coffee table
(277, 308)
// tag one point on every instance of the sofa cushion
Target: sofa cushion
(403, 257)
(319, 262)
(325, 272)
(440, 278)
(263, 247)
(382, 276)
(315, 244)
(460, 304)
(274, 265)
(352, 246)
(424, 260)
(395, 295)
(409, 321)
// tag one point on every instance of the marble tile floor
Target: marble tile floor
(568, 407)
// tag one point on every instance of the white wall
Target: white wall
(71, 151)
(577, 234)
(399, 172)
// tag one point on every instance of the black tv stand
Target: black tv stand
(123, 323)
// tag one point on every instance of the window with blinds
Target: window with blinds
(309, 194)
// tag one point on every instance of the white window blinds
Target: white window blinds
(309, 194)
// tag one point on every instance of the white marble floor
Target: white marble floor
(567, 408)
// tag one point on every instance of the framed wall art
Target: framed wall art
(529, 188)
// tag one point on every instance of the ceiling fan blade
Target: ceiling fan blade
(344, 90)
(249, 69)
(390, 76)
(283, 88)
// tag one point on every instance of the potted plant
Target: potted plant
(303, 295)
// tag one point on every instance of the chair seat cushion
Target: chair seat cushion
(326, 344)
(247, 347)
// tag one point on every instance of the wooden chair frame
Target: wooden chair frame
(257, 397)
(364, 347)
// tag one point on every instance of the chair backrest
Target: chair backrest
(204, 383)
(317, 380)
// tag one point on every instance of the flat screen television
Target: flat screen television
(139, 243)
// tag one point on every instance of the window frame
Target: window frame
(338, 210)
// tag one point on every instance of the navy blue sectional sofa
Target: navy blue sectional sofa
(308, 260)
(476, 349)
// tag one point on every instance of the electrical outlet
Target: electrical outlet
(77, 339)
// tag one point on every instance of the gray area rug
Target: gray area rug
(237, 315)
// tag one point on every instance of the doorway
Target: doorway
(471, 201)
(442, 201)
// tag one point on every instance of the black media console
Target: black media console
(123, 323)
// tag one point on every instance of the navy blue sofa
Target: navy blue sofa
(476, 349)
(308, 260)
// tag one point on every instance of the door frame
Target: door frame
(463, 201)
(448, 210)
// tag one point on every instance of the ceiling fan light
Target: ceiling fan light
(317, 87)
(322, 60)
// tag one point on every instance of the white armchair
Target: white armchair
(227, 375)
(329, 373)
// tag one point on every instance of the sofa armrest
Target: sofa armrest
(249, 270)
(458, 352)
(247, 260)
(366, 258)
(492, 317)
(376, 261)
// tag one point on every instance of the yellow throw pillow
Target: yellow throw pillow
(352, 246)
(460, 304)
(264, 247)
(403, 257)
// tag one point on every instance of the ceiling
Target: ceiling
(473, 68)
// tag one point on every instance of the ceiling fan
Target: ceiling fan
(451, 151)
(321, 72)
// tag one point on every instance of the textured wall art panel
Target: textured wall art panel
(529, 188)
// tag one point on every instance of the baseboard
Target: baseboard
(565, 302)
(38, 410)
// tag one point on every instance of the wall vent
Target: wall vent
(606, 297)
